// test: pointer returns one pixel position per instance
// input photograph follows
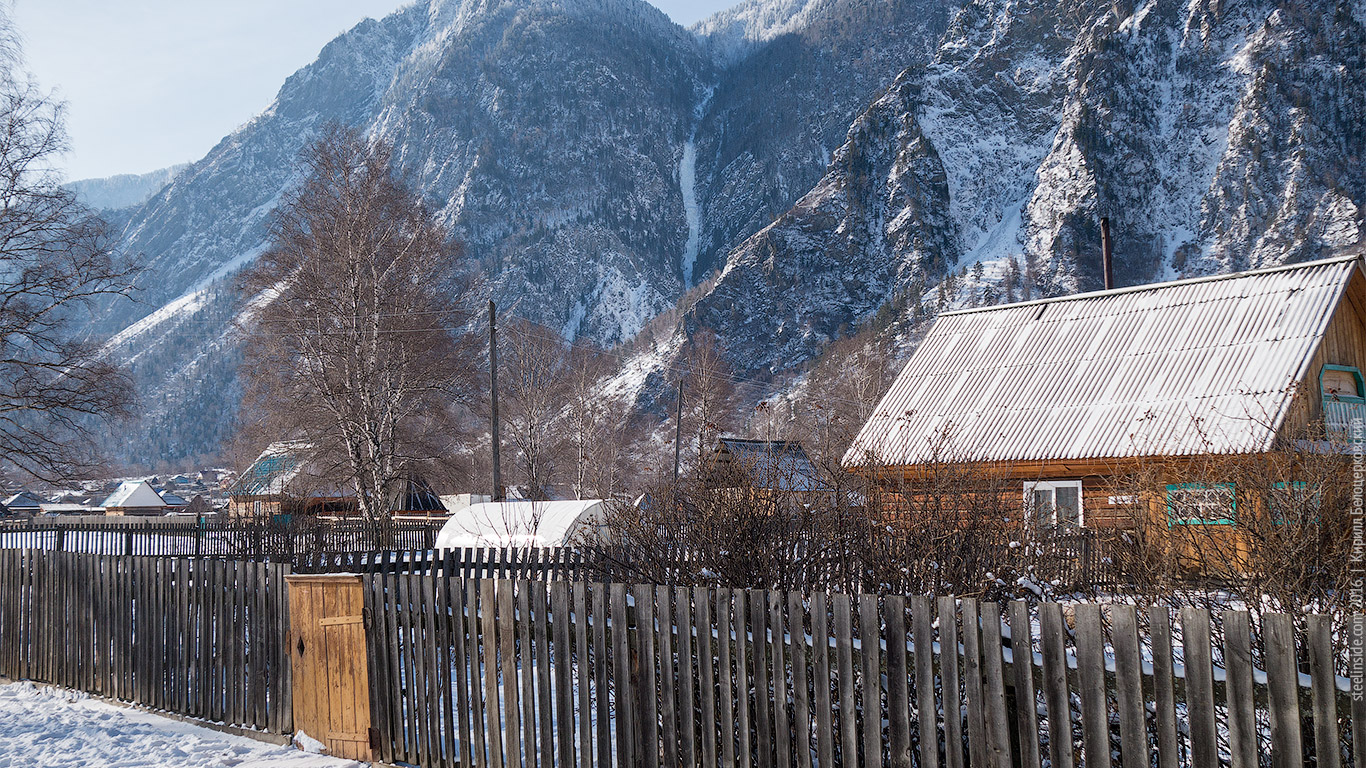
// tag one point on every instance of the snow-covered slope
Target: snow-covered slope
(124, 190)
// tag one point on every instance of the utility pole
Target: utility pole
(493, 396)
(678, 430)
(1107, 256)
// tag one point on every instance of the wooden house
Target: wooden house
(134, 497)
(1061, 398)
(287, 480)
(284, 481)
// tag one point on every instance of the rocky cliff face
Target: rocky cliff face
(1215, 137)
(787, 168)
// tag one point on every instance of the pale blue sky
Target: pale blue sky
(151, 83)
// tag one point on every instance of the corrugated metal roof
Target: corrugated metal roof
(1207, 365)
(273, 470)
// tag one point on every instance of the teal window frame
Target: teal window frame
(1356, 405)
(1173, 519)
(1356, 374)
(1296, 484)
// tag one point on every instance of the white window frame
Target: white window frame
(1053, 485)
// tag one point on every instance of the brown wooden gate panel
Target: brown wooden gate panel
(331, 675)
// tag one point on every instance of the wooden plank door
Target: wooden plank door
(330, 666)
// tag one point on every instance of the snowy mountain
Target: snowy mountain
(1216, 137)
(124, 190)
(787, 168)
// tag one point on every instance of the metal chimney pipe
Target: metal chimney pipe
(1107, 253)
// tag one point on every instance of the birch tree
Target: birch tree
(57, 262)
(356, 350)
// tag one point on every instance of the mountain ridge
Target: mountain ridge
(783, 171)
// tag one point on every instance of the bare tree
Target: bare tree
(595, 432)
(534, 384)
(709, 389)
(356, 349)
(57, 259)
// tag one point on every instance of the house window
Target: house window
(1054, 503)
(1344, 402)
(1294, 502)
(1201, 504)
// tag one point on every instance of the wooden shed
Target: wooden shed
(1062, 397)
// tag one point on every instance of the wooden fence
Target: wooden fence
(531, 673)
(496, 674)
(204, 638)
(279, 541)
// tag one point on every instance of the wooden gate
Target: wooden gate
(330, 665)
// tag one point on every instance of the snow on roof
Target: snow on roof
(1207, 365)
(272, 471)
(520, 523)
(23, 500)
(134, 493)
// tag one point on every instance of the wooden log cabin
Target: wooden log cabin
(1065, 400)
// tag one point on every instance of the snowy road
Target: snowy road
(44, 727)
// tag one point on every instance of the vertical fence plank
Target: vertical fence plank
(581, 663)
(1022, 673)
(668, 713)
(380, 675)
(820, 683)
(948, 661)
(972, 681)
(801, 695)
(763, 699)
(706, 671)
(488, 641)
(1278, 633)
(540, 605)
(844, 661)
(1133, 731)
(898, 689)
(526, 673)
(564, 682)
(507, 654)
(923, 639)
(782, 723)
(1239, 691)
(687, 701)
(725, 677)
(994, 687)
(600, 668)
(739, 626)
(869, 639)
(1095, 716)
(1056, 697)
(621, 671)
(1195, 643)
(1323, 682)
(1164, 685)
(646, 695)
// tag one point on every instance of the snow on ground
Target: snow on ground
(42, 727)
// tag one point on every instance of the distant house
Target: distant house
(285, 480)
(770, 464)
(134, 497)
(175, 503)
(417, 499)
(1063, 396)
(24, 503)
(281, 481)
